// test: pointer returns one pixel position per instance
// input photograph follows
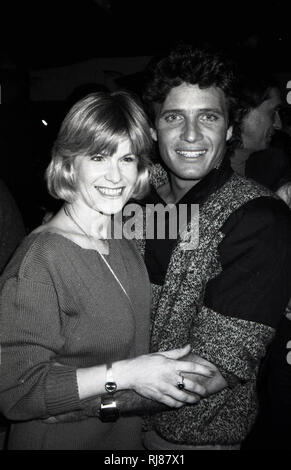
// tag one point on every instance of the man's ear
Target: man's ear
(229, 133)
(154, 134)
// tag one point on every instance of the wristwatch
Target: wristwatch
(108, 407)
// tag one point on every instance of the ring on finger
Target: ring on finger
(180, 384)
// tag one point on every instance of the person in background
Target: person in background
(75, 303)
(12, 231)
(272, 426)
(282, 140)
(260, 102)
(282, 137)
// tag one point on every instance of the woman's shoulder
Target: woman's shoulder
(38, 253)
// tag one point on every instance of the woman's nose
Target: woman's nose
(113, 173)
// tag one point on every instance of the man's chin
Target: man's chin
(193, 175)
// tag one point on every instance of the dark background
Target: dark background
(47, 34)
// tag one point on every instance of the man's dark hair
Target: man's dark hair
(202, 67)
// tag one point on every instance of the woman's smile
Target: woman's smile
(110, 192)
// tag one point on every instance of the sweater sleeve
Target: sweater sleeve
(32, 383)
(246, 300)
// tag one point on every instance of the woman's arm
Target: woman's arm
(153, 376)
(34, 385)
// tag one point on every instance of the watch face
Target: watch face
(110, 387)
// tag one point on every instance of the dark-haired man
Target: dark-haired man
(227, 295)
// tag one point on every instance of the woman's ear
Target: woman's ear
(154, 134)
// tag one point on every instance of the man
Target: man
(226, 295)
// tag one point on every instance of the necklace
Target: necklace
(90, 238)
(68, 214)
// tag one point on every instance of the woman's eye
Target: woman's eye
(98, 158)
(129, 159)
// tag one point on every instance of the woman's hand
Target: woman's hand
(156, 376)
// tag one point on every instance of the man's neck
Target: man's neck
(172, 191)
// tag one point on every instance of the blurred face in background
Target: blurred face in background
(260, 123)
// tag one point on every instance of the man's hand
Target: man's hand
(213, 384)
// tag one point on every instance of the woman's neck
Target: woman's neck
(95, 224)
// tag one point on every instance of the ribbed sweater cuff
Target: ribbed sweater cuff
(62, 390)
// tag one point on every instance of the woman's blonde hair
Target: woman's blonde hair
(96, 124)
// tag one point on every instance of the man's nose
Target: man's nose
(277, 121)
(191, 131)
(113, 173)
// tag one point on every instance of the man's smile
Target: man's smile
(191, 153)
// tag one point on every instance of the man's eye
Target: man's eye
(173, 117)
(209, 117)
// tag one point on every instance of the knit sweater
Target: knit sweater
(61, 309)
(235, 345)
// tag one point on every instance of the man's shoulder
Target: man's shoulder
(242, 201)
(261, 212)
(258, 201)
(246, 187)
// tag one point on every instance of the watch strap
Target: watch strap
(110, 384)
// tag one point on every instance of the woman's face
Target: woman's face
(106, 182)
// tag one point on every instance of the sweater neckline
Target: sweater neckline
(69, 240)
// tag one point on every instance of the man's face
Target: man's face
(260, 123)
(192, 130)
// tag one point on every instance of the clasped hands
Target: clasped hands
(200, 377)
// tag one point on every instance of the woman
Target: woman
(75, 304)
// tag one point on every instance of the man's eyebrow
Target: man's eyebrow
(212, 110)
(172, 110)
(182, 110)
